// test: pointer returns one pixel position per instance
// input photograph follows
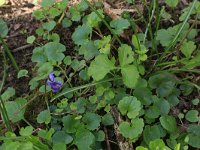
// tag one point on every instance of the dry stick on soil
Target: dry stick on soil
(22, 47)
(123, 144)
(107, 140)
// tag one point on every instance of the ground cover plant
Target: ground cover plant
(130, 82)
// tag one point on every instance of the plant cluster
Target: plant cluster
(106, 82)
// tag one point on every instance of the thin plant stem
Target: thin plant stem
(10, 56)
(82, 87)
(2, 105)
(104, 21)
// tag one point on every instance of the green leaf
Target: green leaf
(67, 60)
(152, 133)
(107, 119)
(47, 3)
(119, 25)
(125, 55)
(130, 75)
(70, 123)
(172, 3)
(141, 148)
(195, 101)
(61, 137)
(10, 92)
(152, 112)
(100, 136)
(66, 22)
(84, 139)
(92, 120)
(11, 145)
(75, 14)
(54, 12)
(194, 140)
(143, 94)
(39, 55)
(187, 48)
(59, 146)
(46, 134)
(163, 105)
(100, 67)
(163, 83)
(26, 146)
(130, 106)
(81, 34)
(104, 44)
(168, 123)
(93, 19)
(3, 28)
(194, 129)
(89, 50)
(13, 107)
(30, 39)
(22, 73)
(27, 131)
(54, 37)
(133, 130)
(38, 14)
(194, 135)
(49, 25)
(192, 116)
(44, 70)
(54, 51)
(44, 117)
(157, 144)
(192, 63)
(78, 65)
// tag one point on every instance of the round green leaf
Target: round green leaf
(92, 120)
(168, 123)
(44, 117)
(61, 137)
(192, 116)
(3, 28)
(130, 106)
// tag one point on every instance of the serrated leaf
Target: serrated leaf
(168, 123)
(84, 139)
(104, 44)
(66, 22)
(27, 131)
(133, 130)
(39, 55)
(100, 136)
(130, 106)
(81, 34)
(100, 67)
(130, 75)
(187, 48)
(163, 83)
(158, 144)
(14, 106)
(61, 137)
(44, 117)
(44, 70)
(92, 120)
(192, 116)
(54, 51)
(93, 19)
(152, 133)
(107, 119)
(125, 55)
(47, 3)
(119, 25)
(70, 123)
(49, 25)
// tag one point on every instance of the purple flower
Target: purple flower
(55, 85)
